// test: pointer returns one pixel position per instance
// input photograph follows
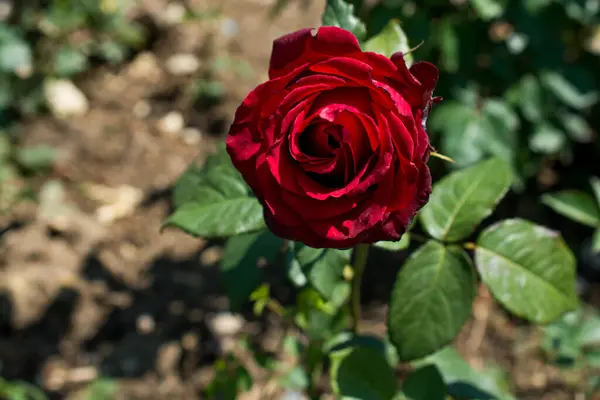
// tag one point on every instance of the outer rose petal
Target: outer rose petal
(301, 47)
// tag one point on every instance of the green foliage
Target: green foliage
(241, 269)
(574, 340)
(576, 205)
(17, 390)
(580, 207)
(401, 244)
(425, 383)
(431, 300)
(341, 14)
(58, 38)
(214, 201)
(528, 268)
(324, 269)
(101, 389)
(16, 164)
(231, 379)
(390, 40)
(350, 378)
(464, 382)
(460, 201)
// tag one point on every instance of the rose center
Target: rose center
(321, 140)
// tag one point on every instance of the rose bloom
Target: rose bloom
(334, 143)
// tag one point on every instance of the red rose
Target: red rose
(334, 144)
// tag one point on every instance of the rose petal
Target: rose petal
(302, 46)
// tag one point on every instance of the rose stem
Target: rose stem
(361, 253)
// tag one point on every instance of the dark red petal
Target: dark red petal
(427, 74)
(302, 47)
(348, 68)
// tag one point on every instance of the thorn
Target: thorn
(443, 157)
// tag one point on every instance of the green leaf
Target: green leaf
(456, 372)
(464, 137)
(69, 62)
(596, 241)
(324, 269)
(546, 139)
(589, 330)
(529, 97)
(347, 340)
(295, 379)
(390, 40)
(595, 183)
(362, 373)
(487, 9)
(461, 200)
(35, 158)
(15, 54)
(101, 389)
(577, 127)
(214, 201)
(240, 267)
(426, 383)
(341, 14)
(503, 123)
(574, 204)
(227, 217)
(449, 45)
(113, 52)
(431, 300)
(566, 92)
(528, 268)
(5, 147)
(401, 244)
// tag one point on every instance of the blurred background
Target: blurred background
(104, 103)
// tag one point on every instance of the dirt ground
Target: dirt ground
(88, 285)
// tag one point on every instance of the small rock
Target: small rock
(118, 201)
(182, 64)
(172, 123)
(226, 324)
(145, 66)
(229, 27)
(64, 98)
(190, 341)
(142, 109)
(174, 14)
(168, 358)
(145, 324)
(191, 136)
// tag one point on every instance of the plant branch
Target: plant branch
(361, 252)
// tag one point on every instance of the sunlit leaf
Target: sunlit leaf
(461, 200)
(528, 268)
(341, 14)
(214, 201)
(566, 92)
(576, 205)
(401, 244)
(390, 40)
(546, 139)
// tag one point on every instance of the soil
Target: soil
(90, 287)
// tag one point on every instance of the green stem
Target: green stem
(361, 252)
